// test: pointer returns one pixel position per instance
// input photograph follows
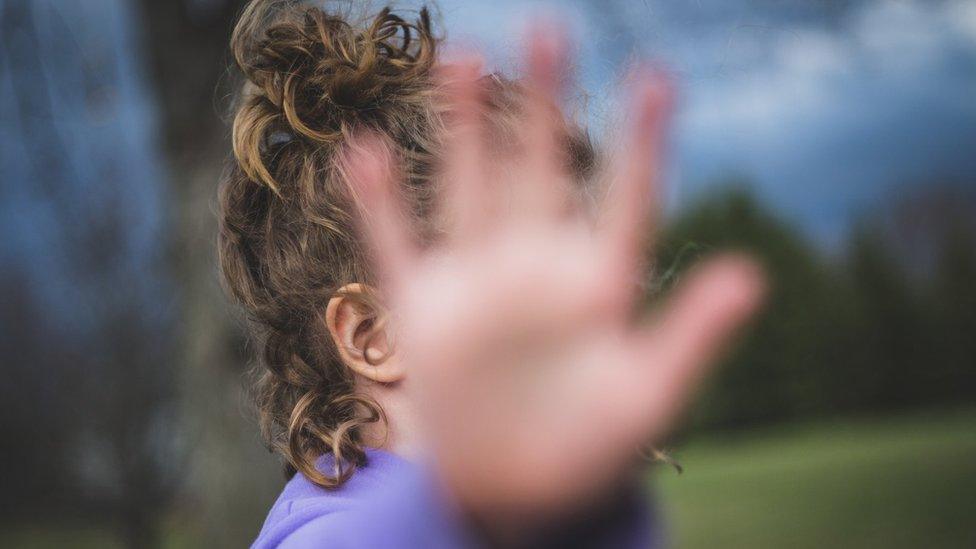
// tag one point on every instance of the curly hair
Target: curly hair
(287, 243)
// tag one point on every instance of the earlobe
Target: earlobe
(363, 345)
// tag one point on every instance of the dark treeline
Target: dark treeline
(886, 323)
(883, 324)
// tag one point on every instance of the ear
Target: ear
(362, 348)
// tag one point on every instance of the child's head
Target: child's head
(313, 81)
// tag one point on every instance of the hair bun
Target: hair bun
(321, 73)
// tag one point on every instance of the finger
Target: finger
(467, 198)
(695, 327)
(369, 168)
(633, 203)
(543, 189)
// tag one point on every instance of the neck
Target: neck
(398, 435)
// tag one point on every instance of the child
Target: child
(441, 275)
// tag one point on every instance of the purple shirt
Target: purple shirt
(391, 503)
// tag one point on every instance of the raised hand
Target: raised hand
(536, 384)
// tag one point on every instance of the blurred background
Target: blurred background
(834, 138)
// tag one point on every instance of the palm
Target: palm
(518, 328)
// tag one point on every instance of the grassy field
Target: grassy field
(892, 483)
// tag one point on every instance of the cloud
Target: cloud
(827, 108)
(828, 119)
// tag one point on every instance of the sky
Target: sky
(78, 151)
(828, 109)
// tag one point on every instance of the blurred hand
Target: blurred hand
(537, 386)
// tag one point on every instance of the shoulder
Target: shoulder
(300, 503)
(311, 530)
(305, 512)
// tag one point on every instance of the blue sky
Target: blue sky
(78, 153)
(828, 108)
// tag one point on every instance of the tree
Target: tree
(894, 339)
(89, 320)
(953, 299)
(781, 368)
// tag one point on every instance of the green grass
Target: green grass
(45, 536)
(905, 482)
(891, 483)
